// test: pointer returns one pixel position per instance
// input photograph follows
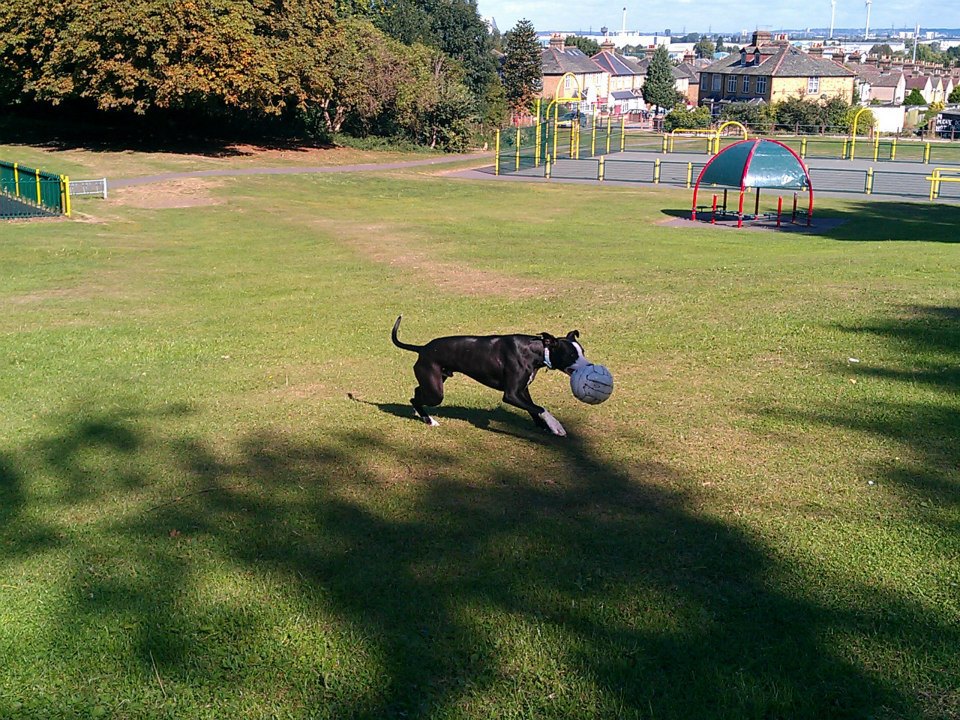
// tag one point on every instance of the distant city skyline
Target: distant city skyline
(721, 16)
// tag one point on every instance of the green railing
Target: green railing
(547, 141)
(26, 192)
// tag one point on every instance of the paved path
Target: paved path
(230, 172)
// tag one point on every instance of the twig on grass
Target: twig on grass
(156, 674)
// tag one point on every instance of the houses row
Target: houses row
(768, 70)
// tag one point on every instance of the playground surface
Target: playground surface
(888, 180)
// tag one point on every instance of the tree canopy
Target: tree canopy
(416, 68)
(588, 46)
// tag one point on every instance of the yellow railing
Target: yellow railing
(937, 177)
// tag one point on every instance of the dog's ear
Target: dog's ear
(573, 335)
(548, 339)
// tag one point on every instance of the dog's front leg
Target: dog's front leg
(541, 416)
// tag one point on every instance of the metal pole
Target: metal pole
(600, 169)
(656, 171)
(518, 147)
(868, 188)
(623, 132)
(496, 164)
(779, 209)
(689, 174)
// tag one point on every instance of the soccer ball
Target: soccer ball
(592, 384)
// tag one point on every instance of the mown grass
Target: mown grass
(214, 500)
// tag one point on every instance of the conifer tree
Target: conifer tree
(522, 66)
(659, 88)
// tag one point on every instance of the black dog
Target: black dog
(508, 363)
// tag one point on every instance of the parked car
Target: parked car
(569, 118)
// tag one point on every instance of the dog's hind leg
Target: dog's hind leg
(429, 393)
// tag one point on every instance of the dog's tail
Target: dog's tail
(397, 341)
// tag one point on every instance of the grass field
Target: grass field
(214, 501)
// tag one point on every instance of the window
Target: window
(716, 83)
(761, 85)
(746, 84)
(705, 80)
(813, 86)
(732, 84)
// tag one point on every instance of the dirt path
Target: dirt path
(232, 172)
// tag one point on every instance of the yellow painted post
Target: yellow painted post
(496, 164)
(663, 144)
(16, 180)
(843, 152)
(36, 174)
(600, 169)
(65, 194)
(656, 171)
(609, 129)
(876, 146)
(518, 148)
(546, 168)
(868, 188)
(926, 154)
(933, 181)
(803, 148)
(593, 137)
(556, 128)
(893, 150)
(689, 174)
(536, 144)
(623, 132)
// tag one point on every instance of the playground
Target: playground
(215, 501)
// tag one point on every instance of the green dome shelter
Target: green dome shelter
(757, 163)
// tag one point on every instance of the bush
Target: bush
(681, 118)
(758, 118)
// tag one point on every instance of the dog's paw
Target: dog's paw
(553, 425)
(430, 421)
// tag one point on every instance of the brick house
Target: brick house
(773, 71)
(557, 60)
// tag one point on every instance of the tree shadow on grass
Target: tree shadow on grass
(65, 130)
(871, 221)
(358, 576)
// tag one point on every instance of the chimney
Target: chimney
(649, 51)
(607, 45)
(688, 57)
(556, 41)
(815, 51)
(761, 37)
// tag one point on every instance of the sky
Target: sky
(719, 15)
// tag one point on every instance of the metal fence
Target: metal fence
(96, 188)
(548, 142)
(27, 192)
(675, 173)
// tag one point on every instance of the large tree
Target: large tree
(660, 88)
(522, 66)
(142, 55)
(453, 26)
(704, 49)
